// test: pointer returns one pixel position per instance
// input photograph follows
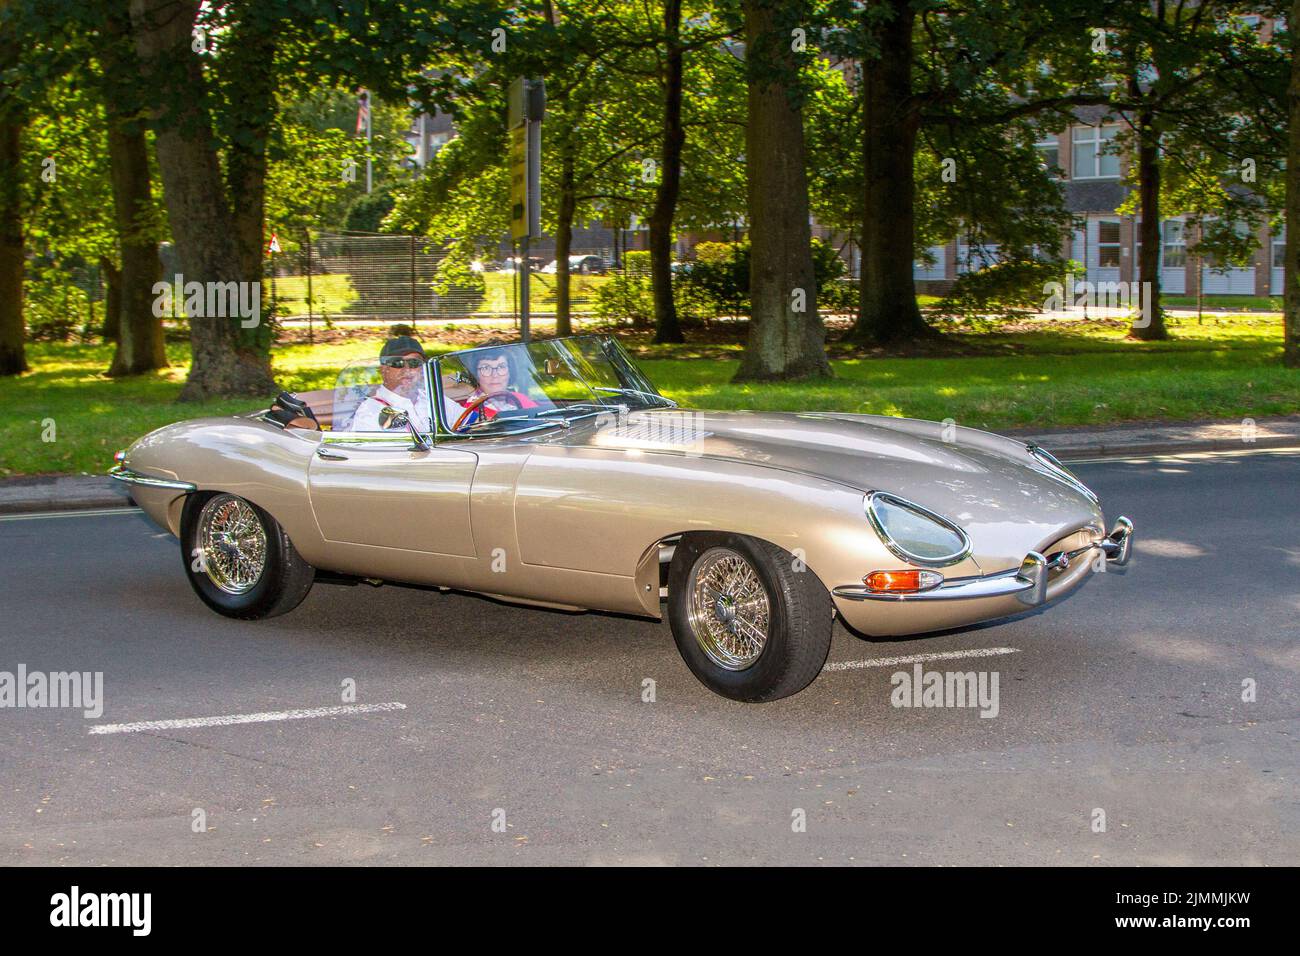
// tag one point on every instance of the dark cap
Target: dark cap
(401, 346)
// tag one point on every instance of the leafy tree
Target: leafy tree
(214, 72)
(786, 336)
(959, 74)
(1291, 261)
(13, 356)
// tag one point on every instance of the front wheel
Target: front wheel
(239, 560)
(750, 620)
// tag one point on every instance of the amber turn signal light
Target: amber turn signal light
(902, 582)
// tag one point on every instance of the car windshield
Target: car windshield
(500, 387)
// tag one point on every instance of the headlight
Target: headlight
(1059, 471)
(915, 534)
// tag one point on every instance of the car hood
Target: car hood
(989, 485)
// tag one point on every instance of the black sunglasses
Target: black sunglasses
(398, 362)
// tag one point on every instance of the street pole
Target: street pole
(526, 104)
(311, 320)
(523, 289)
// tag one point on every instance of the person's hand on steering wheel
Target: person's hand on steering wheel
(478, 403)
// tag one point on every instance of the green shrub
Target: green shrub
(717, 282)
(835, 293)
(53, 307)
(459, 289)
(627, 295)
(1002, 291)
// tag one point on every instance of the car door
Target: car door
(387, 494)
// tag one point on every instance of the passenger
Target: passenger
(401, 366)
(497, 391)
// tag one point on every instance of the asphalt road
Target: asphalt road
(1126, 698)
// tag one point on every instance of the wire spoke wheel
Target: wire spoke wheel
(232, 542)
(729, 610)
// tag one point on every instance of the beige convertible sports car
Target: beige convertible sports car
(554, 474)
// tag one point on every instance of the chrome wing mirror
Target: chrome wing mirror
(390, 417)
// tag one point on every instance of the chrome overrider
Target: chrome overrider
(1027, 582)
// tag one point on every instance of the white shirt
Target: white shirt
(366, 418)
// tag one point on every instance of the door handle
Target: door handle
(329, 455)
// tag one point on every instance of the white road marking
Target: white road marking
(86, 513)
(922, 658)
(1183, 456)
(184, 723)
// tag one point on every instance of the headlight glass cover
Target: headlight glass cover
(915, 534)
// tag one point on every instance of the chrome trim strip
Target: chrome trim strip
(1028, 582)
(1059, 471)
(124, 474)
(896, 549)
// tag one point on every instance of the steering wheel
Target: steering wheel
(478, 403)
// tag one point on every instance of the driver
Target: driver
(401, 366)
(494, 372)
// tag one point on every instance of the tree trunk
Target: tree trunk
(667, 328)
(13, 356)
(1148, 160)
(1291, 256)
(888, 311)
(564, 238)
(197, 204)
(112, 299)
(786, 336)
(249, 53)
(139, 331)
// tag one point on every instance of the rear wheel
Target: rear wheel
(751, 622)
(239, 560)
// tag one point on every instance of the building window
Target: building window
(1108, 243)
(1049, 153)
(974, 255)
(1279, 249)
(1092, 156)
(1175, 244)
(438, 140)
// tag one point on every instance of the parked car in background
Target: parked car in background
(579, 265)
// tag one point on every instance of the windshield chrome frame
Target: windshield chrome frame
(444, 432)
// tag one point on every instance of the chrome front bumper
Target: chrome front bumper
(1028, 583)
(124, 474)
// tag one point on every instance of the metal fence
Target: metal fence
(342, 277)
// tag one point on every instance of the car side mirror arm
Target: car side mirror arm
(418, 441)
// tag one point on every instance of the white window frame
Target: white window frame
(1117, 244)
(1166, 244)
(1052, 142)
(1097, 141)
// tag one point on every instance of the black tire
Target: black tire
(799, 619)
(283, 582)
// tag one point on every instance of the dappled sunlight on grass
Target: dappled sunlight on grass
(1041, 375)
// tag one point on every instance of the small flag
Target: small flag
(363, 111)
(275, 244)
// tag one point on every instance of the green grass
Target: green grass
(331, 294)
(1054, 375)
(500, 297)
(1226, 303)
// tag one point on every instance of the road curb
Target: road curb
(62, 493)
(1076, 453)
